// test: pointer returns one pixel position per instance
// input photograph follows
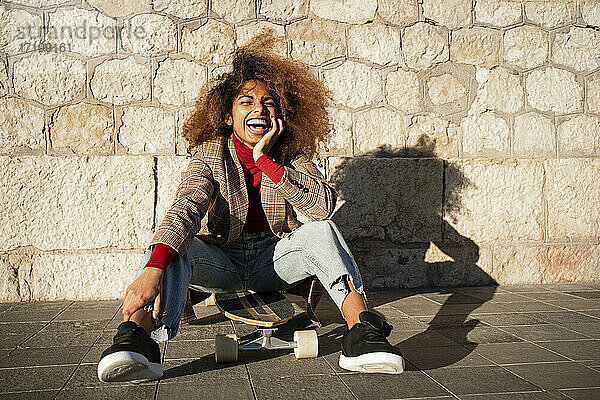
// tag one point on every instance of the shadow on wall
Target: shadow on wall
(393, 217)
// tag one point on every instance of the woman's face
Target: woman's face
(251, 113)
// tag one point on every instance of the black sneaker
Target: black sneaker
(134, 356)
(366, 349)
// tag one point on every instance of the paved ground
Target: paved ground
(509, 342)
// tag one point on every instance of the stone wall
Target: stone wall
(465, 147)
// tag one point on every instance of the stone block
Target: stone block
(19, 30)
(212, 43)
(234, 11)
(445, 89)
(181, 8)
(378, 127)
(353, 12)
(119, 8)
(498, 12)
(82, 128)
(551, 14)
(120, 81)
(477, 46)
(159, 35)
(579, 136)
(76, 202)
(178, 82)
(577, 48)
(398, 12)
(525, 46)
(431, 135)
(49, 78)
(485, 134)
(21, 127)
(546, 264)
(147, 130)
(590, 12)
(390, 267)
(98, 37)
(495, 200)
(375, 42)
(533, 136)
(73, 276)
(182, 115)
(354, 84)
(424, 45)
(316, 41)
(248, 31)
(553, 89)
(593, 92)
(572, 193)
(403, 90)
(340, 139)
(384, 194)
(450, 13)
(284, 10)
(499, 90)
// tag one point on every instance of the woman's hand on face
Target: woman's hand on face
(264, 145)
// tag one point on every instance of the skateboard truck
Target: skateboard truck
(305, 344)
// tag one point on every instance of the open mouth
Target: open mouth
(258, 126)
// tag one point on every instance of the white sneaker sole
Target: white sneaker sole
(379, 362)
(128, 366)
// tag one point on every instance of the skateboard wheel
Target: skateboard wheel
(226, 348)
(307, 344)
(210, 301)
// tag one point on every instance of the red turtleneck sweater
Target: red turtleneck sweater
(256, 220)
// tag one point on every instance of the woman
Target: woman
(232, 225)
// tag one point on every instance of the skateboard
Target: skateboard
(266, 311)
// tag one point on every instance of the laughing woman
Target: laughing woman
(232, 225)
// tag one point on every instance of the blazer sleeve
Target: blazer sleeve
(192, 199)
(305, 188)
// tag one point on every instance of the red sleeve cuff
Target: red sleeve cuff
(271, 168)
(161, 256)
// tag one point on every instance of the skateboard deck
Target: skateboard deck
(266, 309)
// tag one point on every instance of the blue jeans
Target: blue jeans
(258, 261)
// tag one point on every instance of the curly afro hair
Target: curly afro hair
(300, 96)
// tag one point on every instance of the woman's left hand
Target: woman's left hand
(264, 145)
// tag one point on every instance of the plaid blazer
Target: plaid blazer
(212, 199)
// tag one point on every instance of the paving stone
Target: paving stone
(408, 384)
(529, 306)
(591, 330)
(201, 369)
(283, 364)
(538, 333)
(129, 392)
(582, 394)
(515, 353)
(511, 396)
(549, 296)
(577, 350)
(32, 394)
(586, 295)
(562, 317)
(27, 316)
(208, 389)
(483, 334)
(189, 349)
(30, 357)
(577, 304)
(557, 375)
(48, 337)
(474, 380)
(301, 387)
(510, 319)
(526, 288)
(41, 378)
(419, 339)
(75, 326)
(427, 358)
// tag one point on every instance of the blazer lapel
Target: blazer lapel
(237, 193)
